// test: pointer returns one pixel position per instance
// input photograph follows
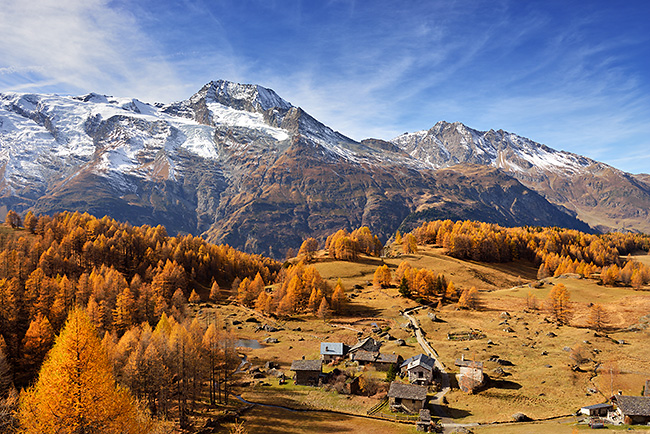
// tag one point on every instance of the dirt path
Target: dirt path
(438, 409)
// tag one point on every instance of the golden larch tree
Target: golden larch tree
(558, 304)
(597, 317)
(76, 391)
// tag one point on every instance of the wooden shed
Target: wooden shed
(308, 372)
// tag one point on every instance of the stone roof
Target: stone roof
(364, 356)
(469, 363)
(388, 358)
(420, 360)
(407, 391)
(633, 405)
(367, 344)
(332, 348)
(425, 415)
(307, 365)
(375, 357)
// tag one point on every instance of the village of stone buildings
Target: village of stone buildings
(418, 384)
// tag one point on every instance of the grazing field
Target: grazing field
(545, 371)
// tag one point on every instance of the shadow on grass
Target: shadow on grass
(502, 384)
(457, 413)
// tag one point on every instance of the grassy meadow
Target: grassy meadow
(538, 381)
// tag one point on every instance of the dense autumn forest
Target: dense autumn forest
(133, 284)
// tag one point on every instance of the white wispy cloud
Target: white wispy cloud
(80, 45)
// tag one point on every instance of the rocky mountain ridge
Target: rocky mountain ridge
(243, 166)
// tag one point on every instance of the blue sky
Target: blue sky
(574, 75)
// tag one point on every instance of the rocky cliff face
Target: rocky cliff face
(242, 166)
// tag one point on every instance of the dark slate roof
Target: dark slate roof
(388, 358)
(368, 344)
(425, 415)
(332, 348)
(364, 356)
(420, 360)
(420, 356)
(633, 405)
(469, 363)
(306, 365)
(407, 391)
(597, 406)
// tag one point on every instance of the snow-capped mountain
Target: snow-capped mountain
(604, 197)
(241, 165)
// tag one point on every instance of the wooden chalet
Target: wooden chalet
(470, 378)
(408, 398)
(308, 372)
(632, 409)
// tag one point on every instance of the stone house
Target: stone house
(632, 409)
(308, 372)
(408, 398)
(470, 378)
(420, 369)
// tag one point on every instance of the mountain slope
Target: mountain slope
(238, 164)
(604, 197)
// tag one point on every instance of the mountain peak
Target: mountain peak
(250, 97)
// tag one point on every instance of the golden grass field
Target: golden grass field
(540, 386)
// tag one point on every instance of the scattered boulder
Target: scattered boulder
(271, 341)
(499, 372)
(236, 322)
(297, 329)
(258, 375)
(252, 319)
(567, 349)
(269, 328)
(271, 365)
(551, 335)
(504, 362)
(505, 315)
(544, 353)
(401, 342)
(520, 417)
(509, 330)
(489, 342)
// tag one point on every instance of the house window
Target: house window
(398, 400)
(420, 374)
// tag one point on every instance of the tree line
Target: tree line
(556, 250)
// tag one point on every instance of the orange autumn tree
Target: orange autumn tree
(76, 391)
